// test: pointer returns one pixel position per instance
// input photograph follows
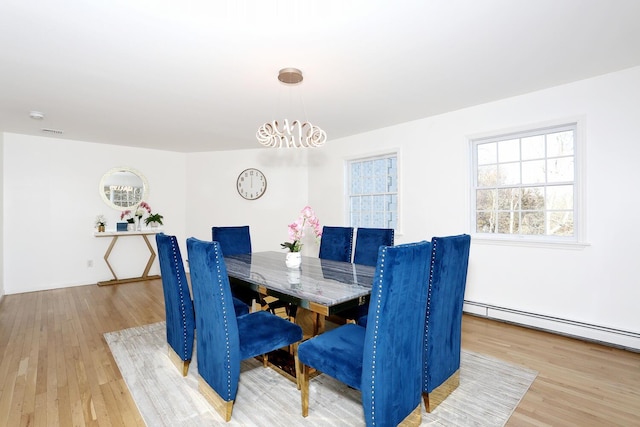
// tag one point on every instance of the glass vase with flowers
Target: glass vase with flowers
(297, 232)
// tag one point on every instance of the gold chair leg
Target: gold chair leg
(182, 365)
(221, 406)
(265, 360)
(304, 389)
(413, 419)
(440, 393)
(297, 364)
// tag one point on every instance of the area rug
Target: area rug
(489, 390)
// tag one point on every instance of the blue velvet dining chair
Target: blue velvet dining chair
(224, 340)
(383, 360)
(368, 240)
(336, 243)
(178, 307)
(233, 240)
(236, 240)
(443, 323)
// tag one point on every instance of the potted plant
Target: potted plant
(153, 219)
(101, 223)
(296, 232)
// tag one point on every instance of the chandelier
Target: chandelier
(295, 134)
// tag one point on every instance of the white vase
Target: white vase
(293, 277)
(293, 260)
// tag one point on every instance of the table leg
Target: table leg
(312, 323)
(106, 256)
(145, 274)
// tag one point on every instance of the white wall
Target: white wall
(597, 285)
(212, 198)
(51, 200)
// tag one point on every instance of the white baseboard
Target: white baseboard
(609, 336)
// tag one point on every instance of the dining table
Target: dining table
(323, 286)
(320, 286)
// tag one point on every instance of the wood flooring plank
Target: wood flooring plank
(56, 367)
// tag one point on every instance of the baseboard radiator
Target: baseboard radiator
(609, 336)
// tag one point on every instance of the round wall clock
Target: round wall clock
(251, 184)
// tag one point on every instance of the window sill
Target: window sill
(511, 241)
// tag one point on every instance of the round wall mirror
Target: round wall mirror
(123, 188)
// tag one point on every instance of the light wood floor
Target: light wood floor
(57, 369)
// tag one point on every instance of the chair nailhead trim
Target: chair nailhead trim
(225, 319)
(376, 327)
(183, 314)
(434, 243)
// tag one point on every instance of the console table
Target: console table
(114, 238)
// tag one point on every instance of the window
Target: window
(525, 185)
(373, 191)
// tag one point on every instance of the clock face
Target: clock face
(251, 184)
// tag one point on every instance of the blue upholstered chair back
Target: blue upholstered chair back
(233, 240)
(392, 361)
(443, 323)
(216, 321)
(336, 243)
(368, 241)
(177, 299)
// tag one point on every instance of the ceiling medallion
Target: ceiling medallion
(293, 134)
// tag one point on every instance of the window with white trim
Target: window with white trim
(525, 185)
(373, 191)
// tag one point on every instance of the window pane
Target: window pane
(393, 220)
(533, 198)
(509, 151)
(485, 222)
(378, 220)
(365, 203)
(356, 185)
(560, 169)
(487, 176)
(532, 223)
(487, 153)
(560, 197)
(508, 222)
(560, 144)
(509, 173)
(533, 147)
(365, 218)
(380, 185)
(508, 199)
(378, 203)
(392, 202)
(485, 199)
(367, 168)
(533, 172)
(560, 223)
(355, 219)
(355, 203)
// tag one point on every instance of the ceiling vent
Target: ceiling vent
(54, 131)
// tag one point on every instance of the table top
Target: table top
(323, 286)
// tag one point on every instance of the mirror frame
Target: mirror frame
(145, 187)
